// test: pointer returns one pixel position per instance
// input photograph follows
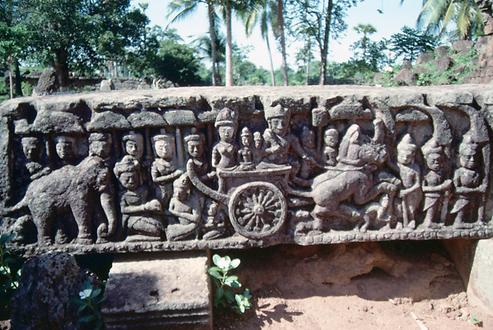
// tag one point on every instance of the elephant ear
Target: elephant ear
(86, 176)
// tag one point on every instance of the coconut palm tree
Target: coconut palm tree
(261, 15)
(181, 9)
(279, 33)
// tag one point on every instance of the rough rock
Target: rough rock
(425, 58)
(106, 85)
(406, 77)
(462, 46)
(442, 51)
(43, 300)
(443, 63)
(47, 83)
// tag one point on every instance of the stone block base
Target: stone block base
(153, 292)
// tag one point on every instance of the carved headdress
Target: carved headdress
(99, 137)
(276, 112)
(164, 137)
(183, 182)
(194, 136)
(407, 144)
(246, 132)
(128, 164)
(133, 136)
(431, 148)
(226, 117)
(468, 147)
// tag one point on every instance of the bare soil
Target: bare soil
(400, 285)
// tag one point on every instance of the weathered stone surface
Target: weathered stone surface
(155, 293)
(47, 83)
(406, 77)
(462, 46)
(47, 286)
(106, 85)
(197, 168)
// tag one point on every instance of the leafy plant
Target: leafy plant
(89, 306)
(227, 293)
(10, 273)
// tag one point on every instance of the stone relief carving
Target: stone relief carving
(290, 175)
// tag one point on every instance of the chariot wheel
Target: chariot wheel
(257, 209)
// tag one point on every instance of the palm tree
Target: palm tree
(278, 18)
(261, 14)
(181, 9)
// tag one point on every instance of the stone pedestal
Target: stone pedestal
(154, 291)
(474, 262)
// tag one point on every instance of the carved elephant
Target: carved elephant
(70, 189)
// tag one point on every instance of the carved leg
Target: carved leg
(80, 210)
(44, 224)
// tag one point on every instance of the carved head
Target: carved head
(307, 138)
(133, 144)
(195, 144)
(406, 150)
(331, 137)
(31, 148)
(467, 153)
(212, 209)
(65, 147)
(258, 140)
(181, 187)
(100, 145)
(102, 179)
(128, 173)
(433, 152)
(278, 119)
(227, 124)
(372, 154)
(164, 146)
(246, 137)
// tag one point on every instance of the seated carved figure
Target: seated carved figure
(140, 217)
(187, 207)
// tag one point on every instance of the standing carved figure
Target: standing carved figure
(435, 187)
(197, 164)
(245, 154)
(410, 174)
(350, 145)
(139, 216)
(331, 139)
(468, 186)
(163, 169)
(32, 151)
(225, 151)
(312, 162)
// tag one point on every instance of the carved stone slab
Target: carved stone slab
(197, 168)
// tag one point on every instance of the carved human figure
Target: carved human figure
(187, 207)
(246, 153)
(308, 164)
(65, 149)
(331, 139)
(32, 151)
(468, 184)
(163, 169)
(258, 150)
(133, 145)
(410, 174)
(214, 226)
(99, 152)
(225, 151)
(435, 186)
(376, 213)
(350, 145)
(195, 147)
(139, 216)
(279, 143)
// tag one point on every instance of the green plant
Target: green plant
(89, 306)
(475, 321)
(10, 273)
(227, 293)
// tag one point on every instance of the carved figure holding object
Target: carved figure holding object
(313, 161)
(467, 181)
(410, 174)
(435, 187)
(163, 169)
(225, 151)
(245, 154)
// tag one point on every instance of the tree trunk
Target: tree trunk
(11, 83)
(18, 79)
(272, 72)
(282, 37)
(61, 67)
(229, 46)
(212, 34)
(324, 48)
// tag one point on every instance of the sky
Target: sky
(393, 18)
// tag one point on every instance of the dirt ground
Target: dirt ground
(401, 285)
